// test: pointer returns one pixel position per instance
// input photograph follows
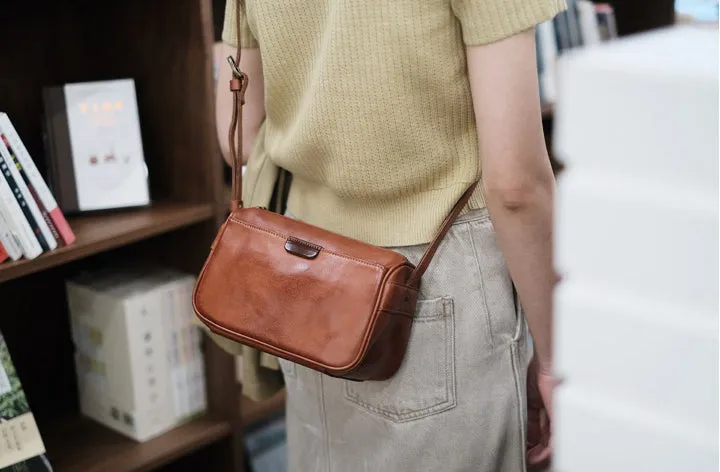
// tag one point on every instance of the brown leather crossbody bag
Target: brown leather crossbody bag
(311, 296)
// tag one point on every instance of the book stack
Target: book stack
(139, 366)
(21, 446)
(30, 220)
(583, 24)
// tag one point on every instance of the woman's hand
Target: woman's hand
(540, 387)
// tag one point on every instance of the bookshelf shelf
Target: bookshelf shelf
(103, 232)
(253, 412)
(80, 445)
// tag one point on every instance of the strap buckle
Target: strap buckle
(235, 69)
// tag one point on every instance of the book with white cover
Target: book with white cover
(17, 223)
(588, 23)
(47, 237)
(128, 327)
(35, 179)
(96, 150)
(8, 239)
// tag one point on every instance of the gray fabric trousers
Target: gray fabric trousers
(458, 401)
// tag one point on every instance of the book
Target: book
(22, 194)
(588, 22)
(18, 225)
(139, 366)
(36, 184)
(584, 23)
(562, 31)
(94, 146)
(606, 21)
(8, 239)
(3, 253)
(21, 445)
(574, 29)
(31, 189)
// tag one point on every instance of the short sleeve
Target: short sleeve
(229, 34)
(487, 21)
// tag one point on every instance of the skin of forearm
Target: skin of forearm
(516, 173)
(523, 224)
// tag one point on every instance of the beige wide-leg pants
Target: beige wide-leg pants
(458, 401)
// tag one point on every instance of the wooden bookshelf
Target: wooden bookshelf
(77, 444)
(166, 47)
(104, 232)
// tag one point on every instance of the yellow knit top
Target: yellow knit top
(368, 105)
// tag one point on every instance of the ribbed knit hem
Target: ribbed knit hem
(412, 220)
(489, 21)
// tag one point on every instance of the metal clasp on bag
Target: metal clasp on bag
(235, 67)
(239, 82)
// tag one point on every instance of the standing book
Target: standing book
(94, 147)
(8, 238)
(18, 225)
(37, 186)
(27, 202)
(21, 445)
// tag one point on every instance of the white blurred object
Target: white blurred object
(636, 321)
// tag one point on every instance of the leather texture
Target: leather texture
(346, 312)
(333, 304)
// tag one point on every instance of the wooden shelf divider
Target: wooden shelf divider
(82, 445)
(253, 412)
(102, 232)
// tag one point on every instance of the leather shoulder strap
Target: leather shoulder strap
(422, 266)
(238, 85)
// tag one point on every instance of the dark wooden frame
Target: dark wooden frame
(166, 46)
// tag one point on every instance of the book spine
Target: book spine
(17, 222)
(61, 162)
(31, 188)
(8, 239)
(573, 17)
(562, 31)
(588, 22)
(22, 194)
(36, 181)
(606, 21)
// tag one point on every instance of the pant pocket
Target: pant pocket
(521, 329)
(425, 383)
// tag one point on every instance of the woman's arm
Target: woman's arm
(254, 109)
(518, 179)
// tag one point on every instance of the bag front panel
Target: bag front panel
(316, 311)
